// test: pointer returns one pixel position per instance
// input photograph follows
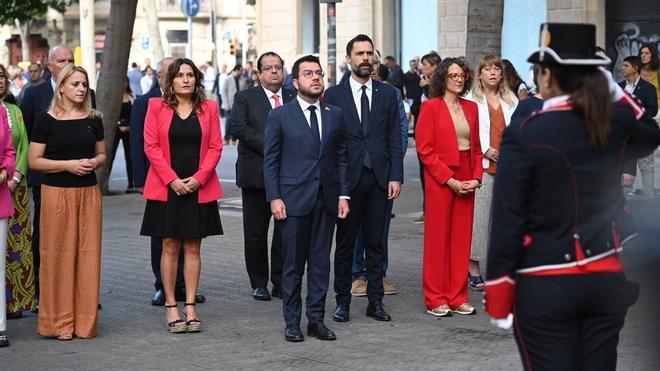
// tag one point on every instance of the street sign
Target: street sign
(145, 42)
(190, 8)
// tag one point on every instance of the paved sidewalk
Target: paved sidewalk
(245, 334)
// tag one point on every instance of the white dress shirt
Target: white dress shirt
(356, 89)
(270, 95)
(630, 88)
(304, 106)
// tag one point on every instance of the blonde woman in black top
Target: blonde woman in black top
(68, 146)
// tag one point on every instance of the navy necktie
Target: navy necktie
(364, 120)
(314, 125)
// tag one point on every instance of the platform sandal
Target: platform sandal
(193, 325)
(177, 326)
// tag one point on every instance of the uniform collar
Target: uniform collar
(556, 102)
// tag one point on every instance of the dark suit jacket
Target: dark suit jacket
(295, 168)
(248, 115)
(136, 131)
(552, 185)
(34, 106)
(645, 93)
(526, 108)
(383, 137)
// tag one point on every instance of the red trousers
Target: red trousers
(447, 239)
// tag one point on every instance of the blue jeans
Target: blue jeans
(359, 269)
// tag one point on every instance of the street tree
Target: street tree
(110, 89)
(484, 29)
(23, 13)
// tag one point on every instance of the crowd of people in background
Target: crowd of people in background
(346, 172)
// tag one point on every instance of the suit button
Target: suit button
(576, 236)
(567, 257)
(316, 178)
(608, 245)
(588, 252)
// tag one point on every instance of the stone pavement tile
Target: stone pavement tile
(242, 333)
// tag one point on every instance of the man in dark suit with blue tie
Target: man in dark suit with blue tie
(644, 92)
(248, 115)
(36, 102)
(306, 179)
(373, 136)
(140, 170)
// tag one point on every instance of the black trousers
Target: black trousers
(156, 252)
(368, 213)
(570, 322)
(125, 140)
(36, 261)
(256, 220)
(306, 240)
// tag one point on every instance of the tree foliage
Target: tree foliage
(28, 10)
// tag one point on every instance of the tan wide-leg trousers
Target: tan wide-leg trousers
(70, 272)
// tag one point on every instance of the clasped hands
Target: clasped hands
(462, 188)
(185, 186)
(81, 166)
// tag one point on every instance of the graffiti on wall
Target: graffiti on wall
(627, 43)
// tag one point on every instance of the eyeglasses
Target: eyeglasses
(277, 68)
(309, 74)
(457, 76)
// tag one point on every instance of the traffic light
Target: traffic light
(232, 46)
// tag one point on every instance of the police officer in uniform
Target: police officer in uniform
(559, 215)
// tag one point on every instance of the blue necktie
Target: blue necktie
(314, 125)
(364, 120)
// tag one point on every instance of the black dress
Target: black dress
(182, 216)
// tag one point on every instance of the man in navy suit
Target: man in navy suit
(36, 102)
(644, 92)
(306, 179)
(248, 115)
(373, 135)
(140, 170)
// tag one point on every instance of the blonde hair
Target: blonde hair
(57, 104)
(502, 89)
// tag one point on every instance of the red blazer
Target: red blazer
(437, 145)
(157, 149)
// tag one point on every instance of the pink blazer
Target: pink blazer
(7, 162)
(157, 149)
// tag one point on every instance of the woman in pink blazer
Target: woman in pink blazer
(7, 166)
(183, 143)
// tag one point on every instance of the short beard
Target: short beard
(360, 73)
(309, 94)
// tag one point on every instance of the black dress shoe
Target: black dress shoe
(159, 298)
(319, 331)
(292, 333)
(276, 292)
(377, 311)
(341, 313)
(199, 298)
(261, 293)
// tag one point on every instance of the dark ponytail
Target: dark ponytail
(590, 96)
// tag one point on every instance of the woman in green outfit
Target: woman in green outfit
(19, 264)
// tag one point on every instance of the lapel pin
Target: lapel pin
(326, 108)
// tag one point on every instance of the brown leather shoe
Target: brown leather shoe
(388, 287)
(359, 287)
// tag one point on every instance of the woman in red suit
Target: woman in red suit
(447, 138)
(182, 141)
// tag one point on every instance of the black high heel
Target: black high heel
(177, 326)
(193, 325)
